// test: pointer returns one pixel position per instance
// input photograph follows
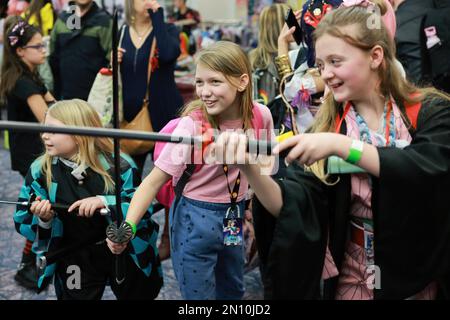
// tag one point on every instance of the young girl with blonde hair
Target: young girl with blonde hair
(77, 171)
(205, 266)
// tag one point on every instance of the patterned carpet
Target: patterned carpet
(11, 244)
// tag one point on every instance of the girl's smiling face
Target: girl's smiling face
(350, 73)
(217, 93)
(58, 144)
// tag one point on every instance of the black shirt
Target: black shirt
(24, 146)
(69, 190)
(189, 14)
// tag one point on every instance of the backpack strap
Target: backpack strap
(257, 120)
(184, 179)
(196, 115)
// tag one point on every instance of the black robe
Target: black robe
(411, 215)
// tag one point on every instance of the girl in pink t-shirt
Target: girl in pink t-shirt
(206, 220)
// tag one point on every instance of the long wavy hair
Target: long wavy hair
(79, 113)
(391, 82)
(271, 21)
(230, 60)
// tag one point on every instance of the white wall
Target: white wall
(215, 9)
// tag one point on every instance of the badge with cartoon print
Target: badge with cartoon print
(232, 228)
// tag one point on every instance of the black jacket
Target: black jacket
(411, 215)
(78, 52)
(410, 15)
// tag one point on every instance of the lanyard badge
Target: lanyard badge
(369, 245)
(232, 223)
(232, 227)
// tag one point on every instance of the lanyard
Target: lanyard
(235, 192)
(340, 119)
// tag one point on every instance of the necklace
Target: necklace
(141, 36)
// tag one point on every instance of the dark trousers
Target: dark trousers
(139, 159)
(97, 269)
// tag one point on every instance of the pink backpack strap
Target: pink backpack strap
(257, 120)
(168, 128)
(196, 115)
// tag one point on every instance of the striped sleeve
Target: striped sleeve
(143, 248)
(25, 222)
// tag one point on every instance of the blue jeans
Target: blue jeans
(204, 267)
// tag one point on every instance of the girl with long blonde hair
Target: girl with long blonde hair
(380, 234)
(206, 264)
(77, 171)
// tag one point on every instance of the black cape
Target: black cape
(411, 215)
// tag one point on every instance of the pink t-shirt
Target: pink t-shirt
(209, 184)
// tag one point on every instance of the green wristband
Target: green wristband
(337, 165)
(355, 152)
(133, 226)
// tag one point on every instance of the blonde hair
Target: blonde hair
(130, 12)
(79, 113)
(271, 22)
(391, 80)
(229, 59)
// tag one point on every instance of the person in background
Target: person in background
(264, 72)
(27, 98)
(184, 17)
(305, 87)
(144, 23)
(409, 15)
(78, 52)
(40, 14)
(3, 15)
(59, 5)
(17, 7)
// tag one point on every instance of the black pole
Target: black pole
(254, 146)
(120, 274)
(98, 132)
